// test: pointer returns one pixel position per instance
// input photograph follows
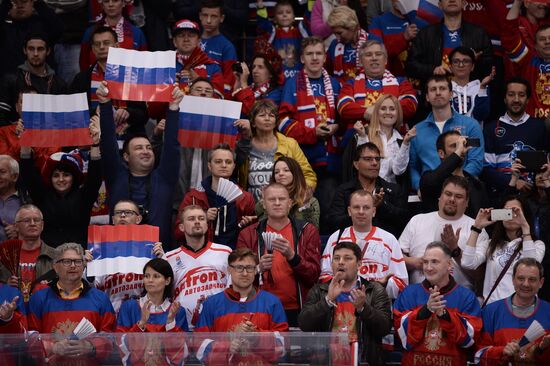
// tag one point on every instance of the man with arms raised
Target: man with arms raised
(350, 303)
(437, 320)
(381, 257)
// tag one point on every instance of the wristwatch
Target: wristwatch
(456, 252)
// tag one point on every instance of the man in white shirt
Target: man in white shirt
(448, 224)
(382, 259)
(200, 266)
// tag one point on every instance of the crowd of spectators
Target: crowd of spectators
(375, 143)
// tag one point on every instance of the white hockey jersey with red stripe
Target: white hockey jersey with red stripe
(198, 275)
(382, 256)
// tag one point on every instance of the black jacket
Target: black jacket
(426, 50)
(431, 183)
(373, 323)
(391, 215)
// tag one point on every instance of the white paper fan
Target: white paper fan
(268, 240)
(83, 329)
(227, 192)
(532, 333)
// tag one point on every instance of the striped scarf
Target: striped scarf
(340, 68)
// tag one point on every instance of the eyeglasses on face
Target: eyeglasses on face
(465, 62)
(71, 262)
(240, 269)
(125, 213)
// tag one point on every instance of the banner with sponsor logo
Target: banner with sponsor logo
(121, 248)
(206, 122)
(140, 75)
(55, 120)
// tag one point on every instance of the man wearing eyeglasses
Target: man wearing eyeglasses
(122, 286)
(60, 307)
(389, 199)
(242, 308)
(29, 224)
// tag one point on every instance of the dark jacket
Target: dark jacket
(373, 323)
(391, 215)
(426, 50)
(12, 84)
(154, 192)
(137, 110)
(307, 243)
(66, 218)
(431, 183)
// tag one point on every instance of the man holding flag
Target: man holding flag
(151, 188)
(516, 329)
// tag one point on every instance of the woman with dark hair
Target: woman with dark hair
(511, 240)
(266, 81)
(260, 145)
(153, 312)
(61, 192)
(287, 172)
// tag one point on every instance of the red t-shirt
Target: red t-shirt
(27, 264)
(284, 283)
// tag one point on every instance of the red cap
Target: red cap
(186, 24)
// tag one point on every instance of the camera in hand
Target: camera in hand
(532, 160)
(237, 67)
(473, 142)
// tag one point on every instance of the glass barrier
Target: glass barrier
(171, 348)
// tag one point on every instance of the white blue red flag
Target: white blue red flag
(141, 75)
(55, 120)
(206, 122)
(408, 8)
(121, 248)
(428, 13)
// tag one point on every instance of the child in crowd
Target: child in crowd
(283, 34)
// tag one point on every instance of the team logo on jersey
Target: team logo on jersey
(201, 279)
(543, 87)
(433, 336)
(63, 329)
(500, 131)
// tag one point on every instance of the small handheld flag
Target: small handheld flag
(121, 248)
(55, 120)
(140, 75)
(206, 122)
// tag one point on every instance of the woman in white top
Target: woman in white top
(387, 117)
(497, 251)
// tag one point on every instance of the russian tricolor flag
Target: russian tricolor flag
(121, 248)
(428, 13)
(141, 75)
(206, 122)
(55, 120)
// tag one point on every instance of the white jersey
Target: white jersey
(422, 229)
(198, 275)
(382, 256)
(120, 287)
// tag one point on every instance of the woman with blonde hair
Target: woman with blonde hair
(387, 118)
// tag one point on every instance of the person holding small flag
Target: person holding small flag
(516, 329)
(191, 60)
(134, 176)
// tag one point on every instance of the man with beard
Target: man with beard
(448, 224)
(452, 149)
(514, 131)
(200, 266)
